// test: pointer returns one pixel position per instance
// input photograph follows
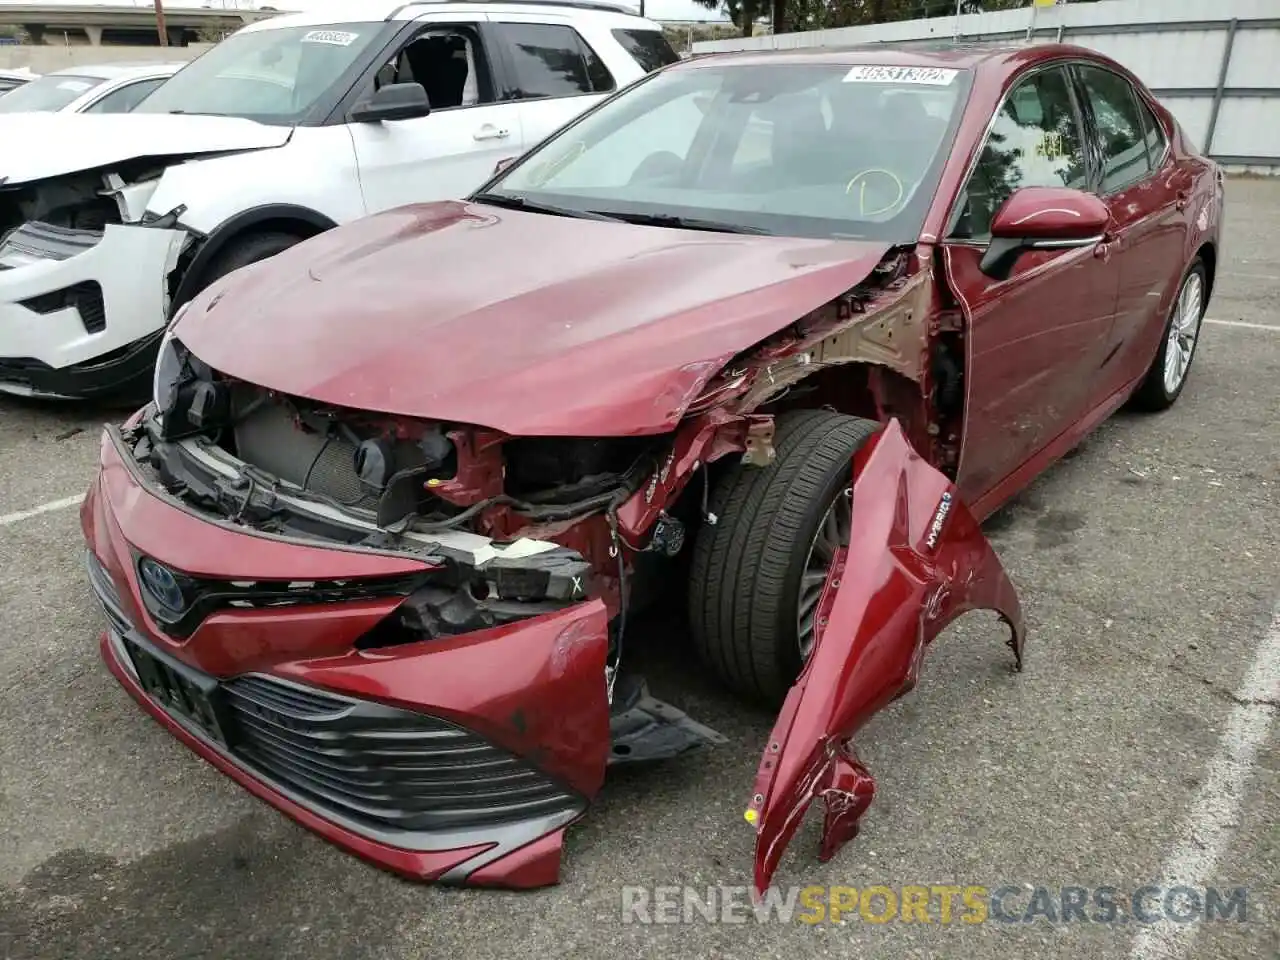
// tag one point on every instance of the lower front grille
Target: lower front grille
(381, 766)
(105, 589)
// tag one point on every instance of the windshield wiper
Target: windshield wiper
(534, 206)
(687, 223)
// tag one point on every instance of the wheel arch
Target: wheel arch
(1208, 252)
(267, 218)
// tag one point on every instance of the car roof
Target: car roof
(985, 57)
(120, 71)
(367, 11)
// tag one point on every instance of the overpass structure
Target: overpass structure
(60, 24)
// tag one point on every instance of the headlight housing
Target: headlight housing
(171, 362)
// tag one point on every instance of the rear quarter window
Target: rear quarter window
(649, 48)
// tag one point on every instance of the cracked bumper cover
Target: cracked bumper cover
(56, 352)
(487, 745)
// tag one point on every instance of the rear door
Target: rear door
(918, 562)
(1147, 194)
(1036, 338)
(455, 148)
(554, 73)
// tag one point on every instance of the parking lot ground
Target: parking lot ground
(1140, 741)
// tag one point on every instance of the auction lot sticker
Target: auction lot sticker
(932, 76)
(339, 38)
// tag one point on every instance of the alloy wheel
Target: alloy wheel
(1184, 328)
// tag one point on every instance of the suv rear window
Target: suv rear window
(649, 48)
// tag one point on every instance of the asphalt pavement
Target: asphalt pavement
(1140, 746)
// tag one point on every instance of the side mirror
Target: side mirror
(1042, 218)
(395, 101)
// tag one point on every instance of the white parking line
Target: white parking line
(1274, 328)
(1215, 811)
(9, 518)
(1253, 276)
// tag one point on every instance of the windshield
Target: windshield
(817, 150)
(273, 75)
(48, 93)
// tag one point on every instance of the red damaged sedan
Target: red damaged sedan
(763, 337)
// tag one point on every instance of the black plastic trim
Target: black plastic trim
(123, 374)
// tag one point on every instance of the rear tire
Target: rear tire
(1171, 365)
(747, 570)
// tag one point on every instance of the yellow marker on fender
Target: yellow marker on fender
(433, 482)
(751, 816)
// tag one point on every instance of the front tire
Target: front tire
(243, 251)
(1172, 363)
(756, 573)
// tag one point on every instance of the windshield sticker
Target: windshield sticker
(931, 76)
(339, 38)
(79, 86)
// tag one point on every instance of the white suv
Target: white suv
(285, 129)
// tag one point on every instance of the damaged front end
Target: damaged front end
(84, 276)
(484, 580)
(464, 577)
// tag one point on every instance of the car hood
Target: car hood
(54, 144)
(527, 323)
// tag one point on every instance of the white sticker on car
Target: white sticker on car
(339, 38)
(931, 76)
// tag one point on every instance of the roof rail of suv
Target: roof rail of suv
(580, 4)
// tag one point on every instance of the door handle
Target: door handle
(490, 132)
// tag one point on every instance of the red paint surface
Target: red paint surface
(525, 323)
(889, 606)
(1050, 212)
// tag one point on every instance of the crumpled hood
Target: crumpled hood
(528, 323)
(41, 145)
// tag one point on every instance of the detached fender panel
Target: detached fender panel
(916, 561)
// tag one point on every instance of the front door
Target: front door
(456, 147)
(1034, 340)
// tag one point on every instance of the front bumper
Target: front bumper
(72, 311)
(461, 759)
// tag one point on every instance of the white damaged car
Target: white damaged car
(109, 223)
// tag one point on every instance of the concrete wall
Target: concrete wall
(1213, 63)
(43, 59)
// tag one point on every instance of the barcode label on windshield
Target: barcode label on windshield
(337, 37)
(932, 76)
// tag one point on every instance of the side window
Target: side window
(1034, 141)
(1119, 125)
(124, 99)
(649, 48)
(552, 60)
(448, 62)
(1154, 135)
